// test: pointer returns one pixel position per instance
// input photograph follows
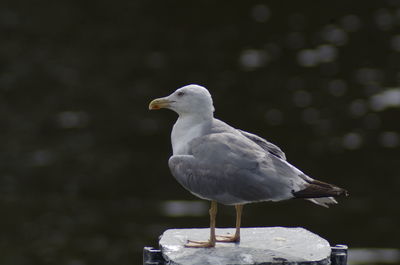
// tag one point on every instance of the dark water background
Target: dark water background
(83, 163)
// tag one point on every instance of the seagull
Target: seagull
(217, 162)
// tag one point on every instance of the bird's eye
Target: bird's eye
(180, 94)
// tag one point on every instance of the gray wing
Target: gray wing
(264, 144)
(231, 169)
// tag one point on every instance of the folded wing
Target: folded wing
(231, 169)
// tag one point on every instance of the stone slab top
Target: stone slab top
(258, 245)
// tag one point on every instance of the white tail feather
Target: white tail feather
(324, 202)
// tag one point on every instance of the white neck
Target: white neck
(186, 128)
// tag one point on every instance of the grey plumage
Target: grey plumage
(264, 144)
(235, 167)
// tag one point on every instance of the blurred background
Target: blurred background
(83, 163)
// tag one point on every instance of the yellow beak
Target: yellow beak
(160, 103)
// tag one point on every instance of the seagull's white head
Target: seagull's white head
(187, 100)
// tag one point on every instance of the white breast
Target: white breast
(184, 131)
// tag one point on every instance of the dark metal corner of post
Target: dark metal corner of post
(152, 256)
(339, 255)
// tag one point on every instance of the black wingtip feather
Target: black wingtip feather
(319, 189)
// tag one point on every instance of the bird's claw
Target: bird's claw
(228, 239)
(199, 244)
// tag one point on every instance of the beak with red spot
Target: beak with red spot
(160, 103)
